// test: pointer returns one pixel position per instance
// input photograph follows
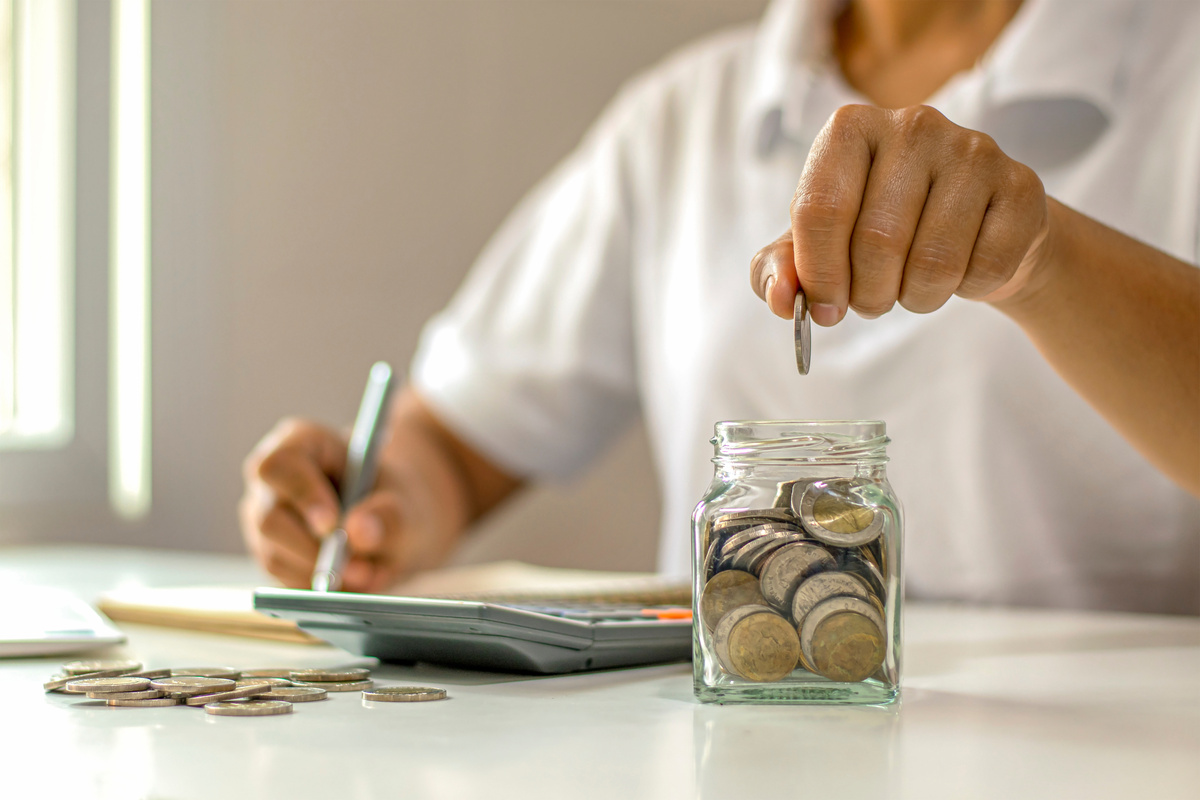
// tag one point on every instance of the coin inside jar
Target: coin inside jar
(833, 512)
(788, 567)
(843, 639)
(760, 646)
(822, 586)
(726, 591)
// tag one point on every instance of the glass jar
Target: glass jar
(796, 566)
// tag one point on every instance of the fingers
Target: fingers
(892, 206)
(902, 207)
(296, 461)
(773, 275)
(278, 538)
(380, 544)
(825, 209)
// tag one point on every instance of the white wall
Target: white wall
(324, 172)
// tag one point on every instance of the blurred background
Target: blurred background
(322, 174)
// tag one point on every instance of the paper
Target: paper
(219, 609)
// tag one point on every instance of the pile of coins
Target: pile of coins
(800, 584)
(223, 691)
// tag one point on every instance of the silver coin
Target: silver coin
(270, 672)
(788, 567)
(153, 702)
(147, 694)
(338, 686)
(834, 512)
(189, 686)
(802, 333)
(232, 694)
(826, 609)
(405, 694)
(754, 556)
(295, 694)
(823, 586)
(330, 675)
(58, 683)
(152, 674)
(737, 542)
(227, 673)
(81, 668)
(240, 682)
(860, 564)
(733, 521)
(249, 708)
(120, 684)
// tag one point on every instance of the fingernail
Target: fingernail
(767, 288)
(825, 314)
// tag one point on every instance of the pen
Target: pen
(362, 456)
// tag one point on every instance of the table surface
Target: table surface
(996, 703)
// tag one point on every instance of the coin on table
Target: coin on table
(227, 673)
(190, 685)
(405, 694)
(843, 639)
(249, 708)
(726, 591)
(153, 702)
(330, 675)
(81, 668)
(240, 682)
(147, 694)
(232, 694)
(58, 683)
(269, 672)
(338, 686)
(152, 674)
(802, 333)
(757, 644)
(835, 512)
(295, 694)
(788, 567)
(121, 684)
(823, 586)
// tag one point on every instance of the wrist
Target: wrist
(1038, 276)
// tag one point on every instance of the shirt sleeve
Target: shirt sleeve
(532, 363)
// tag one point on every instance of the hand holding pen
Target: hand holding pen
(377, 529)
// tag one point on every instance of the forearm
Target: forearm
(1120, 322)
(458, 484)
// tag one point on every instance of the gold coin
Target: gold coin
(847, 647)
(726, 591)
(763, 647)
(841, 516)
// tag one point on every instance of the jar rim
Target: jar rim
(814, 441)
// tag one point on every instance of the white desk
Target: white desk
(996, 704)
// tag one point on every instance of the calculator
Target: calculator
(542, 635)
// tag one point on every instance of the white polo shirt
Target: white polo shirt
(620, 286)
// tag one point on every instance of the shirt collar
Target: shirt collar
(791, 70)
(1055, 49)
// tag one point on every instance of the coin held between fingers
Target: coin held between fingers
(802, 333)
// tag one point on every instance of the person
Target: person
(1007, 195)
